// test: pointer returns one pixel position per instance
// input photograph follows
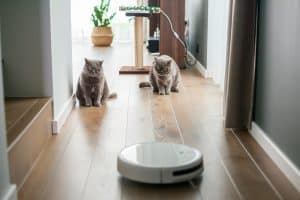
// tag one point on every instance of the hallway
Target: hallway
(80, 162)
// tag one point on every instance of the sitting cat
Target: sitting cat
(164, 76)
(92, 88)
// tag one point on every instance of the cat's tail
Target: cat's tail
(113, 95)
(144, 84)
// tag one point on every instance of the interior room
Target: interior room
(149, 99)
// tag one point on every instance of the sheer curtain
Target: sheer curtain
(82, 25)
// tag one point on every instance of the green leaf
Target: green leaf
(107, 5)
(106, 22)
(112, 16)
(95, 21)
(102, 3)
(100, 14)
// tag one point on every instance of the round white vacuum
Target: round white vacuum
(160, 163)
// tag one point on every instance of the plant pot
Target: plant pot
(102, 36)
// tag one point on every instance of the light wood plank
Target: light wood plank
(246, 178)
(215, 184)
(70, 175)
(45, 168)
(151, 118)
(139, 122)
(15, 108)
(165, 123)
(103, 178)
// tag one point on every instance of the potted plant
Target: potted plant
(102, 33)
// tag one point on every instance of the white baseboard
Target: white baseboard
(11, 194)
(60, 120)
(199, 67)
(281, 160)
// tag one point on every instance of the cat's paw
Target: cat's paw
(97, 104)
(88, 103)
(161, 93)
(175, 90)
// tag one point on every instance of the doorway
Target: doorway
(82, 27)
(217, 33)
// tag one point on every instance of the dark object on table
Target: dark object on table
(138, 14)
(153, 45)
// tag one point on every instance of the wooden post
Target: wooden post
(139, 39)
(139, 67)
(139, 42)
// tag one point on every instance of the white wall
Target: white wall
(218, 11)
(196, 12)
(60, 12)
(26, 48)
(37, 50)
(6, 189)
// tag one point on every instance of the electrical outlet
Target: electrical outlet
(187, 22)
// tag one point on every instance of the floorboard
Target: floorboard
(215, 184)
(277, 178)
(139, 121)
(47, 164)
(80, 163)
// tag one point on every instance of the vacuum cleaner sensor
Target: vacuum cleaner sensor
(160, 163)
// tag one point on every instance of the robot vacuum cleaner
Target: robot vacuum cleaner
(160, 163)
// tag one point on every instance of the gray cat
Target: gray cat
(92, 87)
(164, 76)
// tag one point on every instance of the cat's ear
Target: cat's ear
(101, 62)
(86, 61)
(155, 61)
(169, 62)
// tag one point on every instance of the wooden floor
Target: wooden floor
(80, 163)
(28, 123)
(19, 113)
